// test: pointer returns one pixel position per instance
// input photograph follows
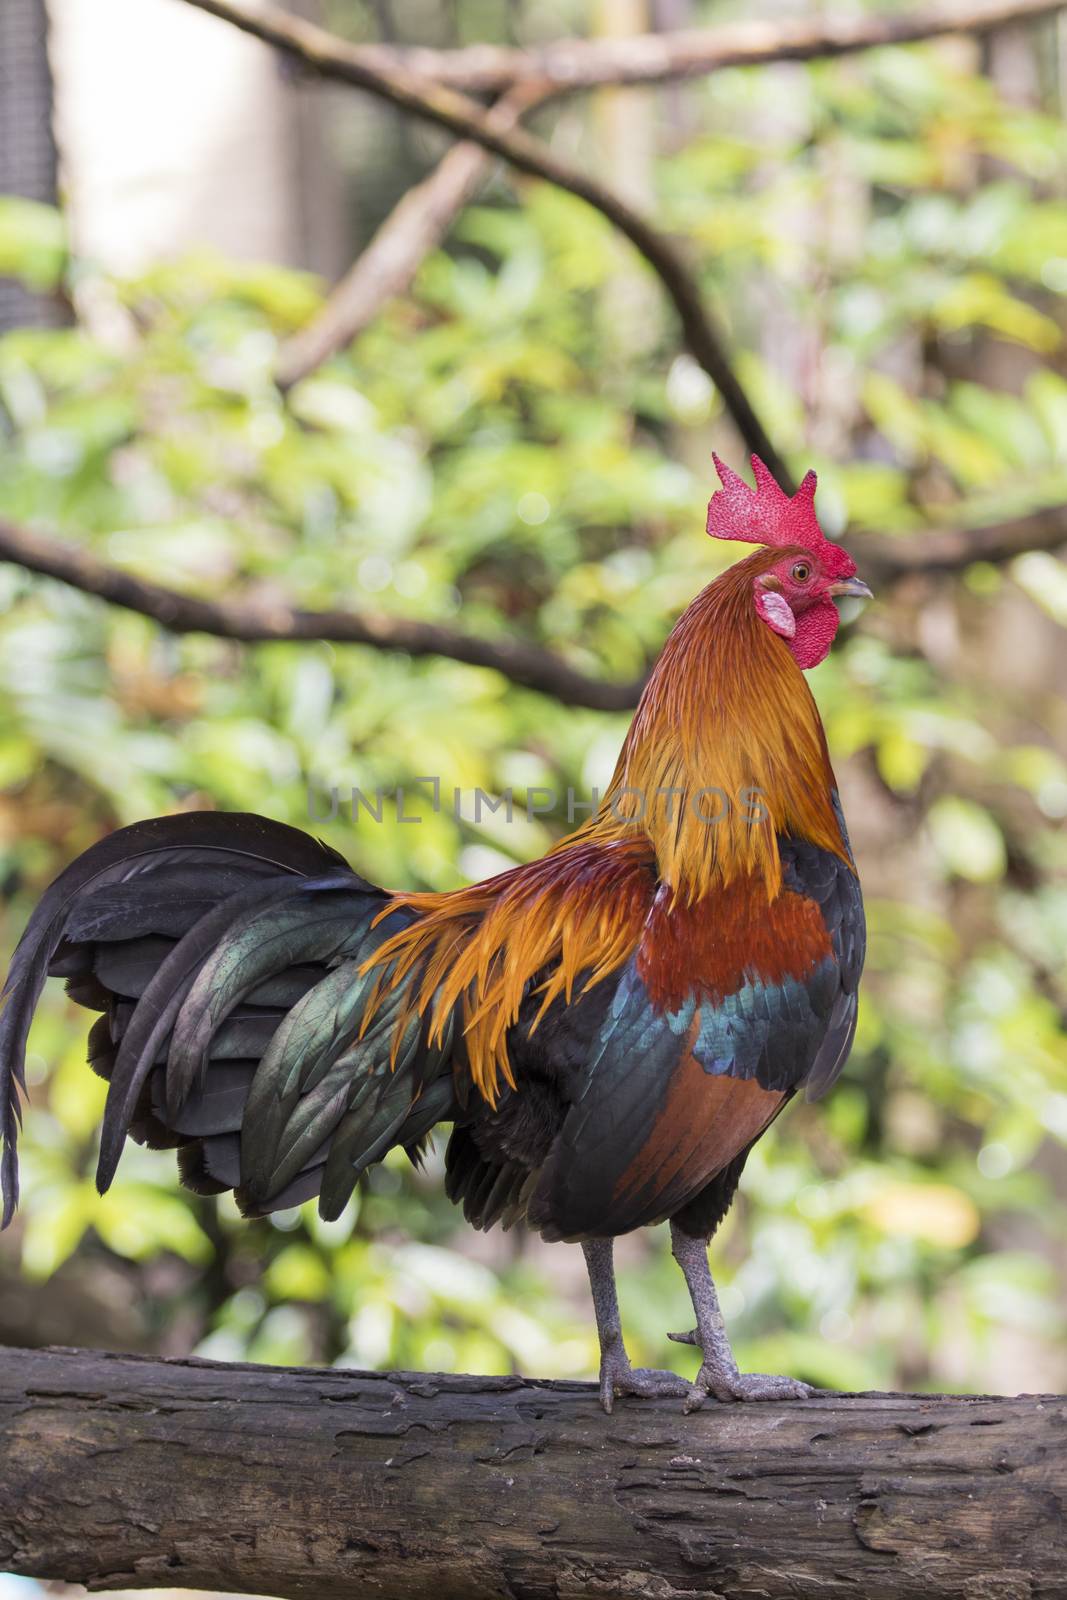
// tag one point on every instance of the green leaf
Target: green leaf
(33, 243)
(967, 839)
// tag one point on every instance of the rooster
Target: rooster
(609, 1029)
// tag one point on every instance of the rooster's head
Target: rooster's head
(794, 595)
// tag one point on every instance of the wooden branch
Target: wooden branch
(567, 66)
(884, 561)
(252, 621)
(887, 560)
(121, 1471)
(403, 80)
(380, 73)
(387, 267)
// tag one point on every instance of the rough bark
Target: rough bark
(126, 1471)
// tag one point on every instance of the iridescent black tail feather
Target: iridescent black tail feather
(224, 954)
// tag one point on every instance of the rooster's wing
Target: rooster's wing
(724, 1011)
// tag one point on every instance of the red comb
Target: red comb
(767, 515)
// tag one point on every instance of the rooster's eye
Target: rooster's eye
(801, 572)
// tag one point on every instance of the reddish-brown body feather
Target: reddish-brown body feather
(683, 949)
(698, 1130)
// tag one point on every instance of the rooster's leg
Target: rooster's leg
(616, 1374)
(718, 1373)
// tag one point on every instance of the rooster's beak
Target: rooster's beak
(853, 588)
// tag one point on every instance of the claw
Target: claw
(743, 1386)
(617, 1377)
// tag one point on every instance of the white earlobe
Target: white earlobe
(776, 612)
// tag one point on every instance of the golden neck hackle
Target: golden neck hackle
(727, 715)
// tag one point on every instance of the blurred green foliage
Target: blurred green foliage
(885, 238)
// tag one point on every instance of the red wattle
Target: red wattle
(816, 628)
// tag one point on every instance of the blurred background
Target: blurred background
(518, 446)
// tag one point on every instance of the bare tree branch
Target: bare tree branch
(567, 66)
(388, 265)
(883, 560)
(253, 621)
(886, 559)
(379, 73)
(417, 82)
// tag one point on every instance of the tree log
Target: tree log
(120, 1470)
